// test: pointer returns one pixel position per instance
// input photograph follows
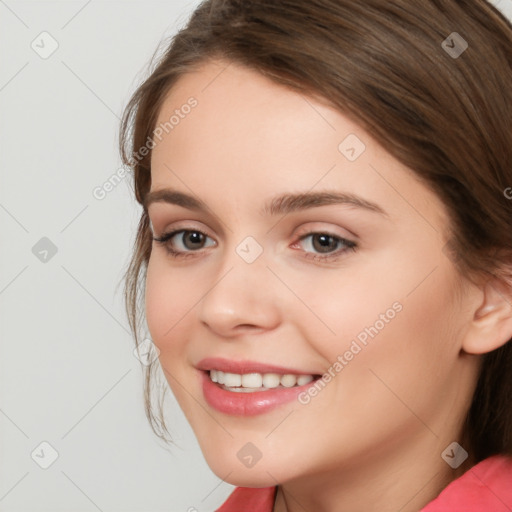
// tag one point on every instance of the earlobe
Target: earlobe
(491, 326)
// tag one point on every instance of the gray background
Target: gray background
(68, 374)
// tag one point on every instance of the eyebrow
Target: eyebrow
(283, 204)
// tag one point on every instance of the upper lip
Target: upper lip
(246, 366)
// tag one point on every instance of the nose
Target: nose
(241, 298)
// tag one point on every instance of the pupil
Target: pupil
(195, 237)
(325, 239)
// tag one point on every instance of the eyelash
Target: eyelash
(333, 256)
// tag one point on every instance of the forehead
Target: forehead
(253, 138)
(241, 119)
(233, 101)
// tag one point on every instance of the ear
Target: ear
(491, 326)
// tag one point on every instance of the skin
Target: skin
(372, 438)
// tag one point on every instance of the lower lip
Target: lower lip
(247, 404)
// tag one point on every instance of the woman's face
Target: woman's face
(354, 286)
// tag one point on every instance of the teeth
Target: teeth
(250, 380)
(256, 381)
(271, 380)
(232, 380)
(304, 379)
(288, 381)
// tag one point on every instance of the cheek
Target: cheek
(411, 359)
(167, 301)
(169, 308)
(389, 339)
(403, 365)
(345, 307)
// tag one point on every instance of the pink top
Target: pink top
(486, 487)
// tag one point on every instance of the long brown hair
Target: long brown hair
(387, 64)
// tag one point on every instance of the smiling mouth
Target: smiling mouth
(254, 382)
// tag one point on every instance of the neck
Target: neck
(404, 481)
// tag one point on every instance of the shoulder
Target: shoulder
(484, 487)
(245, 499)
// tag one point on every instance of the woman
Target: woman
(326, 249)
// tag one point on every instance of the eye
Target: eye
(191, 240)
(329, 246)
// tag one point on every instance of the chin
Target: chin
(233, 472)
